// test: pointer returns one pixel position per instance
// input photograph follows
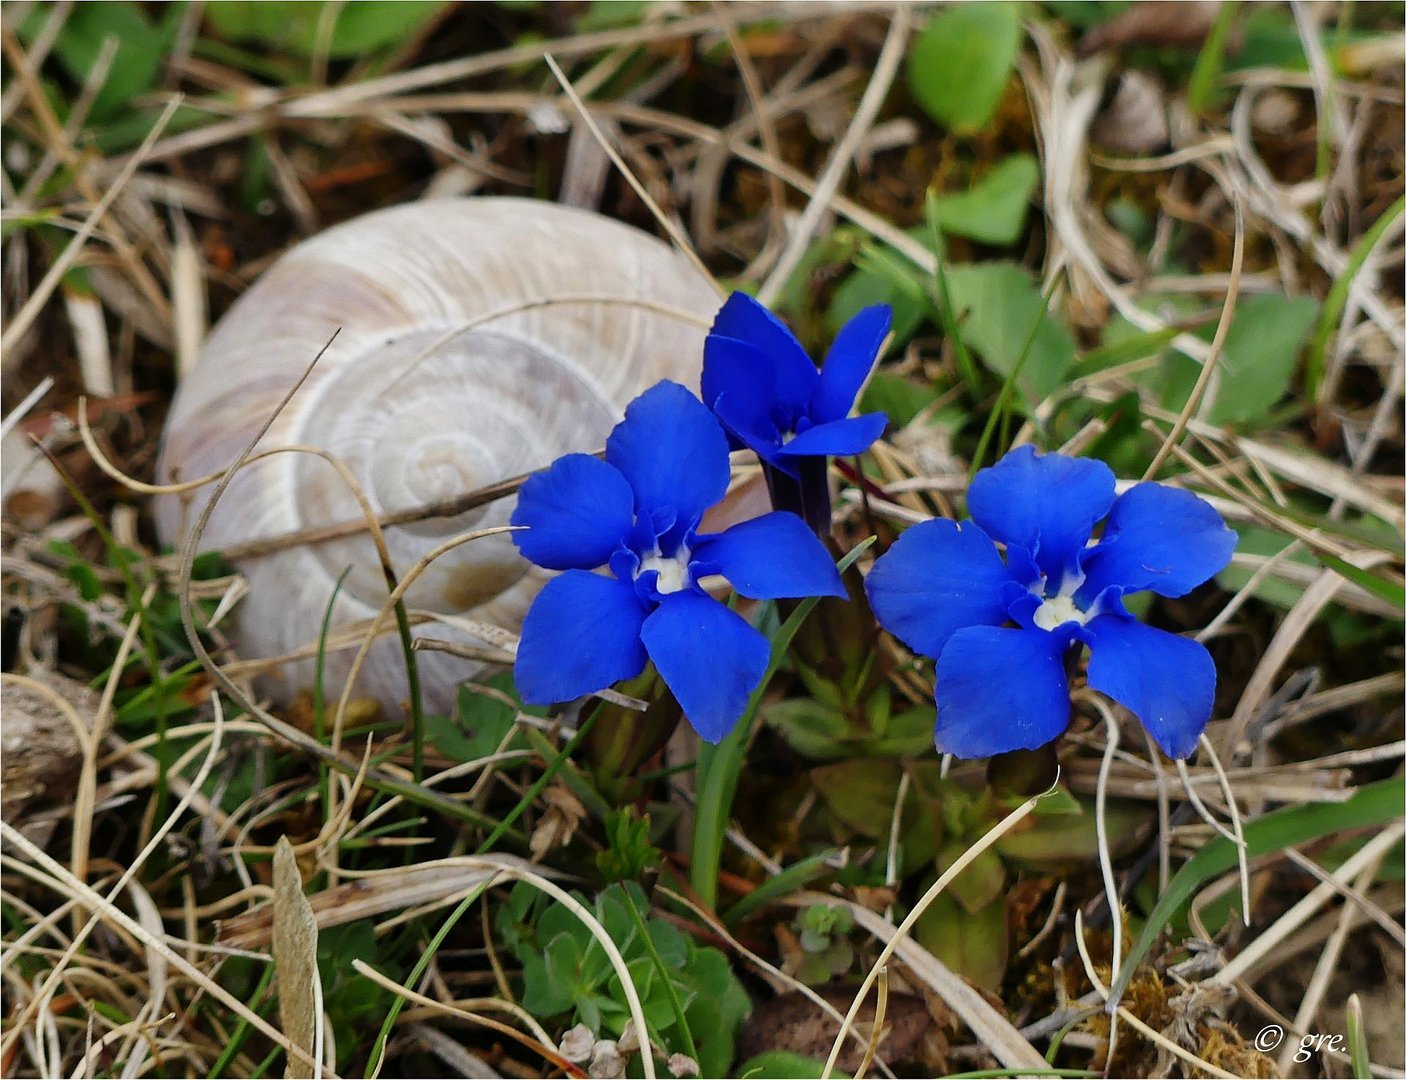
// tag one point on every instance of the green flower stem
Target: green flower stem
(664, 974)
(720, 767)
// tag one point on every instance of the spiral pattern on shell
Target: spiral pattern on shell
(424, 399)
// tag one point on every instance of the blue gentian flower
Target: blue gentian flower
(760, 383)
(638, 512)
(945, 591)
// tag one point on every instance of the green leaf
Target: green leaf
(908, 734)
(1082, 14)
(719, 1006)
(607, 16)
(980, 883)
(862, 794)
(368, 25)
(142, 48)
(996, 304)
(784, 1065)
(961, 62)
(295, 25)
(548, 982)
(898, 397)
(809, 727)
(1372, 805)
(480, 723)
(993, 210)
(1057, 840)
(883, 275)
(974, 945)
(1261, 350)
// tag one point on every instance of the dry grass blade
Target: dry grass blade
(1273, 935)
(667, 223)
(869, 104)
(104, 908)
(1133, 1020)
(1208, 366)
(1285, 639)
(20, 411)
(376, 893)
(295, 961)
(441, 1008)
(25, 317)
(1004, 1041)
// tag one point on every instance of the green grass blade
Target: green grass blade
(1144, 345)
(1373, 804)
(690, 1047)
(1000, 411)
(719, 767)
(259, 1001)
(1337, 297)
(1209, 62)
(796, 876)
(378, 1049)
(1357, 1039)
(530, 795)
(319, 721)
(966, 366)
(1390, 591)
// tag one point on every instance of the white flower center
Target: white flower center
(673, 570)
(1058, 610)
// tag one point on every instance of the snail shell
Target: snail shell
(423, 399)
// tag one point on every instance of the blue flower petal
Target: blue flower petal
(837, 438)
(746, 428)
(1045, 503)
(1159, 538)
(1168, 682)
(745, 377)
(673, 453)
(769, 557)
(746, 320)
(577, 512)
(710, 657)
(999, 690)
(581, 635)
(937, 579)
(848, 363)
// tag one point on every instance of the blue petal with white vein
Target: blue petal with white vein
(1003, 631)
(637, 514)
